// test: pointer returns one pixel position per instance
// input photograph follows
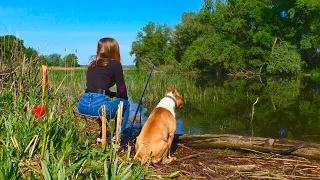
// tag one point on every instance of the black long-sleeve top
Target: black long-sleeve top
(104, 77)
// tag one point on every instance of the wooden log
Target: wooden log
(104, 126)
(267, 145)
(119, 122)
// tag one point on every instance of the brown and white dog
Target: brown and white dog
(157, 133)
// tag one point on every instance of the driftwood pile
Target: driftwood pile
(227, 164)
(226, 156)
(253, 144)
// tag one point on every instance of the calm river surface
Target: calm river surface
(255, 106)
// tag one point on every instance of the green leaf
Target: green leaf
(45, 171)
(76, 165)
(126, 172)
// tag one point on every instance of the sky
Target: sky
(65, 27)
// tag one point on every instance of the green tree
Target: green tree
(44, 60)
(70, 60)
(305, 17)
(31, 53)
(213, 52)
(54, 60)
(238, 36)
(225, 36)
(284, 59)
(187, 32)
(153, 45)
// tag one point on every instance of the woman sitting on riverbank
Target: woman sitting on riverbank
(105, 71)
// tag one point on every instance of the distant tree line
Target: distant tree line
(13, 52)
(70, 60)
(232, 36)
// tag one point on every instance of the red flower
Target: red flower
(37, 111)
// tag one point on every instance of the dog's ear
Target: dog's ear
(168, 90)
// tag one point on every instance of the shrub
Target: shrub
(284, 59)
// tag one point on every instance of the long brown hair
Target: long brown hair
(108, 49)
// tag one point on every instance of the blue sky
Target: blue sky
(53, 26)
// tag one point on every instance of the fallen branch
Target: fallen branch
(188, 157)
(240, 168)
(206, 169)
(184, 146)
(258, 152)
(263, 177)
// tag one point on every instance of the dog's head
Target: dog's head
(176, 95)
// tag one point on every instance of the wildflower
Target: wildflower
(37, 111)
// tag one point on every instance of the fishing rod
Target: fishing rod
(135, 115)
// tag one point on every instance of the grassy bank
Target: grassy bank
(52, 147)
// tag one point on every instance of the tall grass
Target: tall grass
(185, 84)
(61, 152)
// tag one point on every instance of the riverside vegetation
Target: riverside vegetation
(224, 37)
(69, 154)
(52, 147)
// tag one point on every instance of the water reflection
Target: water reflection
(286, 107)
(142, 117)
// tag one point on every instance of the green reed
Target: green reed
(186, 85)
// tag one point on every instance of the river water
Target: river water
(276, 107)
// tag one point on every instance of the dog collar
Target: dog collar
(173, 99)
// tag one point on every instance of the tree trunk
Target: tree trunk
(267, 145)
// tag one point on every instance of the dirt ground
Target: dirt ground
(226, 164)
(229, 164)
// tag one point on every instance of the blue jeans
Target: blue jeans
(91, 104)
